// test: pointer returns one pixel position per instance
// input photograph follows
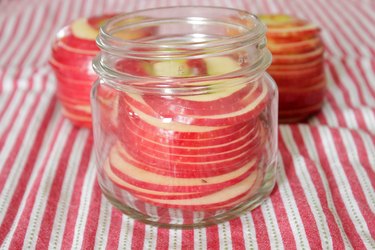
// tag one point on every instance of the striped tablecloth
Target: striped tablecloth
(49, 197)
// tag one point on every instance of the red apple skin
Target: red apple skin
(66, 93)
(172, 162)
(65, 96)
(149, 146)
(131, 171)
(90, 52)
(97, 21)
(71, 61)
(209, 206)
(293, 67)
(70, 40)
(69, 58)
(303, 97)
(288, 40)
(191, 208)
(69, 99)
(74, 92)
(306, 73)
(169, 192)
(134, 67)
(177, 135)
(81, 74)
(298, 115)
(254, 105)
(293, 28)
(67, 36)
(198, 170)
(74, 85)
(136, 190)
(82, 110)
(300, 83)
(174, 192)
(146, 149)
(77, 120)
(284, 26)
(169, 139)
(170, 106)
(199, 67)
(308, 31)
(176, 164)
(203, 169)
(137, 33)
(300, 58)
(292, 48)
(233, 204)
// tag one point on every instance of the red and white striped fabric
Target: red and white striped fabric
(49, 197)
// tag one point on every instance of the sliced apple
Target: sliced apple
(152, 144)
(163, 137)
(305, 73)
(298, 58)
(307, 30)
(135, 67)
(276, 19)
(187, 156)
(134, 33)
(69, 58)
(131, 173)
(221, 65)
(172, 68)
(253, 104)
(78, 119)
(82, 29)
(78, 73)
(292, 48)
(147, 192)
(299, 114)
(218, 199)
(198, 67)
(216, 101)
(293, 67)
(97, 21)
(292, 83)
(302, 97)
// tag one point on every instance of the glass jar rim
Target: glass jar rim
(250, 35)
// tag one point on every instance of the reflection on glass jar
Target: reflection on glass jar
(184, 115)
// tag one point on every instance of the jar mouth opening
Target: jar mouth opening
(184, 85)
(192, 30)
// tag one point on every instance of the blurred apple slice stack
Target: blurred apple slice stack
(72, 52)
(71, 59)
(297, 65)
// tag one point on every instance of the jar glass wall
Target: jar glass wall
(184, 115)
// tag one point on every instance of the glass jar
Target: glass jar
(185, 117)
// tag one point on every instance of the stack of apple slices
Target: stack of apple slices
(191, 152)
(297, 65)
(72, 53)
(71, 59)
